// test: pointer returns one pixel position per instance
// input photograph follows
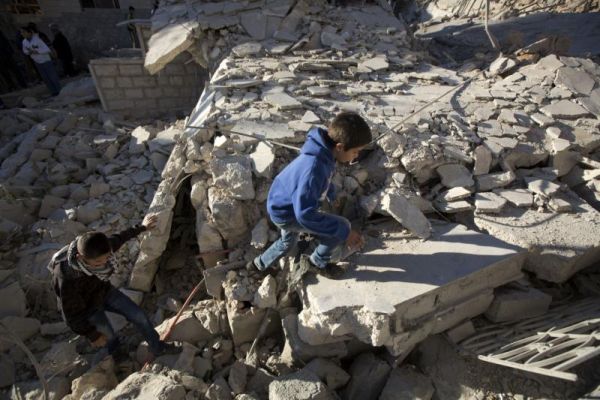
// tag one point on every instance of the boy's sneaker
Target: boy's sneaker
(331, 271)
(167, 348)
(254, 265)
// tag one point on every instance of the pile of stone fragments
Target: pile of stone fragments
(498, 178)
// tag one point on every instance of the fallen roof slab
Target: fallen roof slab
(403, 289)
(559, 244)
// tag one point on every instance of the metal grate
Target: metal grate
(550, 345)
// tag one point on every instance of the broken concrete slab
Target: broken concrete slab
(455, 175)
(407, 214)
(282, 101)
(495, 180)
(483, 160)
(329, 372)
(168, 43)
(542, 187)
(565, 109)
(403, 278)
(263, 158)
(559, 244)
(264, 129)
(512, 303)
(516, 197)
(576, 80)
(457, 193)
(489, 202)
(301, 385)
(298, 351)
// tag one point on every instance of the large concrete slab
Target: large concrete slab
(559, 244)
(401, 290)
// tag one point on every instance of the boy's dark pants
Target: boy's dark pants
(119, 303)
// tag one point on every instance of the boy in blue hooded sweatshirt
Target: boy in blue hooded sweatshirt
(297, 192)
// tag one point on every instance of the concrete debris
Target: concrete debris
(143, 385)
(407, 214)
(368, 377)
(302, 385)
(519, 302)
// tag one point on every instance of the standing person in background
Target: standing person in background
(42, 35)
(63, 50)
(35, 48)
(131, 27)
(9, 71)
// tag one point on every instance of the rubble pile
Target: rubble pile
(65, 172)
(497, 178)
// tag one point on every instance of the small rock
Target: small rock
(266, 295)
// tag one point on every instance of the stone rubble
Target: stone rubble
(515, 157)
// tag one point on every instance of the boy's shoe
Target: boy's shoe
(331, 270)
(167, 348)
(254, 265)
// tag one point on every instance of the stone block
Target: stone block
(407, 214)
(296, 351)
(188, 329)
(460, 331)
(244, 323)
(144, 81)
(455, 175)
(329, 372)
(518, 302)
(113, 93)
(118, 104)
(559, 244)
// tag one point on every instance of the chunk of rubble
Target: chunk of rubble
(495, 180)
(263, 158)
(455, 175)
(516, 302)
(516, 197)
(489, 202)
(542, 187)
(389, 315)
(559, 244)
(147, 385)
(576, 80)
(407, 214)
(301, 385)
(452, 207)
(483, 160)
(457, 193)
(282, 101)
(565, 109)
(266, 295)
(329, 372)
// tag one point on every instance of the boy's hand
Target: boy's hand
(355, 240)
(100, 342)
(150, 222)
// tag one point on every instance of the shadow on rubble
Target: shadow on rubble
(466, 37)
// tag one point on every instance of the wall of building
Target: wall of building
(126, 88)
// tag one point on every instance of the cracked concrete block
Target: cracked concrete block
(455, 175)
(168, 43)
(233, 174)
(460, 331)
(188, 329)
(244, 323)
(301, 385)
(405, 287)
(149, 386)
(542, 187)
(515, 303)
(406, 383)
(282, 101)
(516, 197)
(483, 160)
(489, 202)
(368, 376)
(559, 244)
(576, 80)
(565, 109)
(407, 214)
(139, 137)
(263, 158)
(266, 295)
(298, 351)
(494, 180)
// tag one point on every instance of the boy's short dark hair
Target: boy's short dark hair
(349, 129)
(93, 245)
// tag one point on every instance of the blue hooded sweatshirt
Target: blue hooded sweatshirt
(298, 190)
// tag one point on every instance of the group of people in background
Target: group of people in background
(40, 53)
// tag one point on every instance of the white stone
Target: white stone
(310, 117)
(453, 206)
(489, 202)
(282, 101)
(565, 109)
(234, 174)
(139, 137)
(455, 175)
(375, 64)
(266, 295)
(495, 180)
(247, 49)
(483, 160)
(542, 187)
(144, 385)
(260, 234)
(457, 193)
(407, 214)
(577, 81)
(263, 159)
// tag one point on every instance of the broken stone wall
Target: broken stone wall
(126, 88)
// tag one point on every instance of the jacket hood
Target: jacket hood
(318, 145)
